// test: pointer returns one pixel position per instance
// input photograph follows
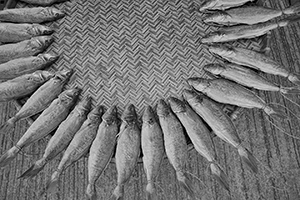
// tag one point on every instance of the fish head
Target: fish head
(64, 75)
(70, 95)
(207, 5)
(212, 37)
(95, 115)
(56, 13)
(216, 17)
(42, 42)
(192, 97)
(129, 113)
(221, 50)
(47, 57)
(41, 76)
(215, 69)
(200, 84)
(177, 105)
(162, 108)
(110, 115)
(84, 106)
(148, 115)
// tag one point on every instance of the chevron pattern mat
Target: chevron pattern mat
(132, 51)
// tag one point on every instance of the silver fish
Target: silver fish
(247, 77)
(221, 124)
(153, 149)
(11, 33)
(255, 60)
(20, 66)
(249, 15)
(221, 4)
(25, 48)
(23, 85)
(128, 149)
(31, 15)
(79, 145)
(43, 2)
(200, 137)
(102, 149)
(62, 137)
(227, 92)
(175, 144)
(44, 124)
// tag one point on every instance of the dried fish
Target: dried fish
(128, 149)
(222, 4)
(221, 124)
(153, 149)
(247, 77)
(79, 145)
(249, 15)
(25, 48)
(254, 60)
(102, 149)
(200, 137)
(225, 91)
(62, 137)
(175, 144)
(43, 2)
(31, 15)
(23, 85)
(10, 32)
(20, 66)
(44, 124)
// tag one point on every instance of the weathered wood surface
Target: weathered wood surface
(273, 148)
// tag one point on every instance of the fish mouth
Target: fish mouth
(190, 95)
(48, 32)
(148, 116)
(65, 74)
(162, 108)
(50, 57)
(177, 105)
(129, 112)
(110, 115)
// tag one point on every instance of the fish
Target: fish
(175, 144)
(200, 137)
(43, 2)
(27, 65)
(228, 92)
(49, 119)
(233, 33)
(102, 149)
(26, 48)
(221, 4)
(255, 60)
(78, 147)
(128, 149)
(153, 149)
(221, 125)
(31, 15)
(12, 33)
(62, 136)
(23, 85)
(249, 15)
(247, 77)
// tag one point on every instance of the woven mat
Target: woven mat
(132, 51)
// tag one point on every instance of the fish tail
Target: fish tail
(91, 191)
(50, 186)
(248, 158)
(186, 183)
(294, 9)
(290, 90)
(219, 175)
(8, 156)
(150, 190)
(294, 78)
(10, 124)
(119, 192)
(275, 113)
(34, 169)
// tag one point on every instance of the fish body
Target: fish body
(255, 60)
(62, 137)
(222, 4)
(199, 135)
(11, 33)
(220, 123)
(20, 66)
(102, 149)
(44, 124)
(43, 2)
(23, 85)
(79, 145)
(128, 149)
(30, 15)
(175, 144)
(25, 48)
(152, 147)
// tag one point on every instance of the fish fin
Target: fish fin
(34, 169)
(248, 158)
(186, 183)
(91, 192)
(8, 156)
(294, 9)
(290, 90)
(50, 186)
(294, 78)
(118, 192)
(219, 175)
(150, 190)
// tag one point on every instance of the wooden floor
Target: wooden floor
(275, 150)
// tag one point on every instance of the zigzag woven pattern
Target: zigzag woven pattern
(132, 51)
